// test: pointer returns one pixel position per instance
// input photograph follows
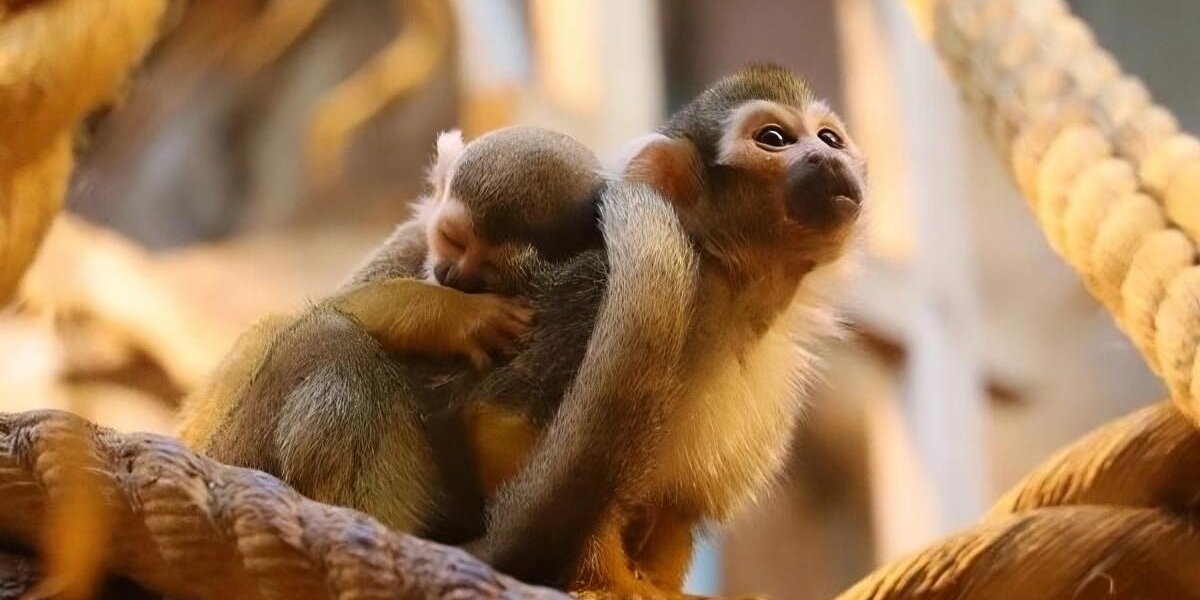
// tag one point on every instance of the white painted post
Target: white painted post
(927, 445)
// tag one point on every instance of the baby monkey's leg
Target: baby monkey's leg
(501, 439)
(208, 407)
(409, 315)
(316, 400)
(348, 430)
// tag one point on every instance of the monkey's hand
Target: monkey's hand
(409, 315)
(491, 324)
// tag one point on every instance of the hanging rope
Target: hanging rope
(1113, 181)
(1116, 187)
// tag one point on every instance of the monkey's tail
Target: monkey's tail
(626, 387)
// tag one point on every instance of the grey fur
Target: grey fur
(513, 182)
(335, 391)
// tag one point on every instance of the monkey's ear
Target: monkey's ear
(449, 148)
(672, 166)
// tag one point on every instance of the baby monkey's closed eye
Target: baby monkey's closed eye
(452, 240)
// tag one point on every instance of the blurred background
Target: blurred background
(266, 145)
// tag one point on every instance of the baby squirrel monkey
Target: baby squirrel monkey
(767, 187)
(492, 200)
(327, 400)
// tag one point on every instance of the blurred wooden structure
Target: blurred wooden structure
(953, 490)
(61, 60)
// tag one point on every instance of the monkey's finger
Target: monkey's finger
(493, 338)
(521, 310)
(510, 326)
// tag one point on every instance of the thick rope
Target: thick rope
(58, 60)
(188, 527)
(1113, 516)
(1115, 185)
(1113, 181)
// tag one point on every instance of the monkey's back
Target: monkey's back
(566, 297)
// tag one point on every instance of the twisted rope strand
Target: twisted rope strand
(1109, 176)
(1114, 184)
(188, 527)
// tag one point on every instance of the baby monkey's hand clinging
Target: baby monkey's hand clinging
(491, 325)
(412, 316)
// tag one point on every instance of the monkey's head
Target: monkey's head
(503, 195)
(757, 167)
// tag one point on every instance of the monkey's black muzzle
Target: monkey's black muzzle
(449, 276)
(822, 192)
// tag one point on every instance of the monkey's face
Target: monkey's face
(459, 257)
(795, 167)
(780, 184)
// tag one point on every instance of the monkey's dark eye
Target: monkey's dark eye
(773, 136)
(831, 139)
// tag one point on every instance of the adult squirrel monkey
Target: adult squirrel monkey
(767, 187)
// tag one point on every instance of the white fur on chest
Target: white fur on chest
(737, 421)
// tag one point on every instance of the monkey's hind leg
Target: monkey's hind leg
(208, 408)
(666, 552)
(501, 441)
(641, 553)
(605, 571)
(348, 431)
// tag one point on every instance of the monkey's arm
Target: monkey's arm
(600, 444)
(404, 315)
(409, 315)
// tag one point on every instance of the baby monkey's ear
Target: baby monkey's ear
(672, 166)
(449, 149)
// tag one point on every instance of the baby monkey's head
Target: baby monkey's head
(502, 195)
(756, 165)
